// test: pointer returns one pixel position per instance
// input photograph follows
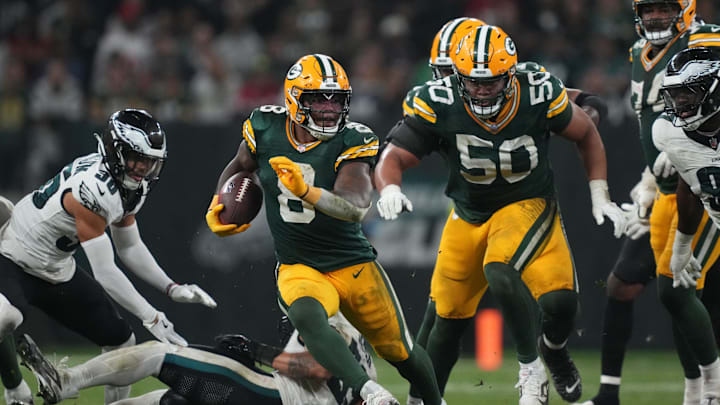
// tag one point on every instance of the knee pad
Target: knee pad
(173, 398)
(561, 304)
(10, 317)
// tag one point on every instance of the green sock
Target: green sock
(518, 308)
(326, 345)
(443, 347)
(559, 309)
(691, 318)
(685, 354)
(9, 370)
(426, 325)
(419, 371)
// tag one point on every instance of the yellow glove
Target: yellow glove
(290, 174)
(213, 220)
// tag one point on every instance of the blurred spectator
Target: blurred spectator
(213, 91)
(56, 95)
(239, 46)
(13, 120)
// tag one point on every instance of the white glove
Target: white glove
(164, 330)
(602, 207)
(190, 293)
(663, 167)
(685, 268)
(636, 225)
(392, 202)
(643, 193)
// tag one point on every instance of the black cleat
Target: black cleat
(565, 375)
(49, 386)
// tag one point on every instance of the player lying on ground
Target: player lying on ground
(223, 374)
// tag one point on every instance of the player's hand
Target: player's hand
(602, 207)
(191, 293)
(290, 175)
(636, 226)
(643, 193)
(163, 330)
(213, 221)
(663, 167)
(685, 268)
(392, 202)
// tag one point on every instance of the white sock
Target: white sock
(693, 391)
(711, 380)
(414, 401)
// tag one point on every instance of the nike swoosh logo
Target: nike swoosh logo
(367, 140)
(355, 275)
(715, 29)
(102, 193)
(165, 325)
(571, 388)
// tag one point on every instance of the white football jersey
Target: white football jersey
(697, 160)
(332, 391)
(41, 236)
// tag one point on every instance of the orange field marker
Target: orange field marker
(489, 339)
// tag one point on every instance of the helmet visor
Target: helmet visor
(139, 166)
(326, 108)
(485, 96)
(684, 101)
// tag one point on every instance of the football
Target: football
(242, 197)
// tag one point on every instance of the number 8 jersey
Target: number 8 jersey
(301, 233)
(491, 163)
(41, 236)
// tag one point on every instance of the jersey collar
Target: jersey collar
(709, 141)
(504, 117)
(647, 63)
(290, 132)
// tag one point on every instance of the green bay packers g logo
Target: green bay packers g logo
(510, 46)
(294, 71)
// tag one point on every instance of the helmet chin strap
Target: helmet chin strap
(321, 133)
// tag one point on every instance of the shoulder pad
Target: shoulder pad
(262, 117)
(704, 35)
(96, 191)
(408, 101)
(434, 96)
(359, 142)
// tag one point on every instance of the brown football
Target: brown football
(242, 198)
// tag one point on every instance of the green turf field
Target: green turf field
(650, 378)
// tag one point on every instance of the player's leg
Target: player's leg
(634, 268)
(309, 299)
(369, 302)
(457, 285)
(157, 397)
(83, 306)
(549, 273)
(16, 390)
(695, 340)
(711, 298)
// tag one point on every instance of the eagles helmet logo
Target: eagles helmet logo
(510, 46)
(294, 71)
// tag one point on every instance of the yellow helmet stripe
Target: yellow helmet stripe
(446, 36)
(370, 149)
(558, 105)
(249, 135)
(482, 44)
(422, 109)
(326, 68)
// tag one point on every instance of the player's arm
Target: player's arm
(348, 201)
(134, 253)
(684, 267)
(99, 251)
(594, 106)
(242, 161)
(409, 142)
(300, 365)
(586, 137)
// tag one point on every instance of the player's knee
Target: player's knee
(560, 304)
(127, 343)
(307, 314)
(622, 291)
(503, 280)
(173, 398)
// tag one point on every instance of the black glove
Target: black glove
(243, 346)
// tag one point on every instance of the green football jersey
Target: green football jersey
(647, 78)
(301, 233)
(494, 163)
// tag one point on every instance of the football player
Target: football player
(505, 231)
(224, 374)
(73, 209)
(689, 135)
(314, 169)
(665, 27)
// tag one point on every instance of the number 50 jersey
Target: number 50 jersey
(490, 163)
(41, 236)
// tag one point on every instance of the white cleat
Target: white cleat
(533, 386)
(375, 394)
(20, 395)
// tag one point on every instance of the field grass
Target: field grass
(650, 377)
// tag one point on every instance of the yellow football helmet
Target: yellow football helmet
(445, 42)
(318, 79)
(672, 26)
(485, 63)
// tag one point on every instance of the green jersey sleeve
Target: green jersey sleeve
(360, 144)
(559, 110)
(259, 120)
